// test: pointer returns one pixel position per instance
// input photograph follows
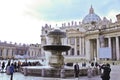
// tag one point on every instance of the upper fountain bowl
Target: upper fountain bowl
(57, 32)
(59, 48)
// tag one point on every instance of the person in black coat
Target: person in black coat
(106, 72)
(76, 70)
(3, 66)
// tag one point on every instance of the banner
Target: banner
(105, 52)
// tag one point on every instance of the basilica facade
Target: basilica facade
(88, 36)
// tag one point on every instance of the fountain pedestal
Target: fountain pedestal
(56, 61)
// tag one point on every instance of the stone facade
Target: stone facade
(88, 36)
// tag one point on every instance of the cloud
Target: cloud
(112, 15)
(21, 20)
(59, 10)
(16, 25)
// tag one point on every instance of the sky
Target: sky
(21, 20)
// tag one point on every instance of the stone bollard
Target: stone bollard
(7, 70)
(62, 73)
(93, 71)
(25, 71)
(43, 73)
(89, 72)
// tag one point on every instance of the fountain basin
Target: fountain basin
(47, 71)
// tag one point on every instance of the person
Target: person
(96, 64)
(0, 66)
(76, 70)
(8, 64)
(3, 66)
(11, 69)
(15, 66)
(92, 64)
(106, 72)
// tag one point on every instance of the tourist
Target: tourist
(11, 69)
(92, 64)
(0, 66)
(106, 72)
(8, 64)
(76, 70)
(19, 65)
(96, 64)
(15, 66)
(3, 66)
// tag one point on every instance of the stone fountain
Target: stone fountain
(56, 66)
(56, 60)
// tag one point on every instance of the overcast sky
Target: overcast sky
(21, 20)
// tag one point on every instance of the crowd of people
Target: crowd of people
(17, 65)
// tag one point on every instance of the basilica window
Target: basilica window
(12, 52)
(78, 52)
(105, 42)
(1, 52)
(32, 54)
(72, 51)
(7, 52)
(46, 32)
(72, 41)
(77, 41)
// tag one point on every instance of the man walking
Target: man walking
(11, 71)
(76, 70)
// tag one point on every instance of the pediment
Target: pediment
(73, 31)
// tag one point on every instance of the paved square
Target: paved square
(115, 75)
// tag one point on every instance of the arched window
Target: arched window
(72, 51)
(78, 52)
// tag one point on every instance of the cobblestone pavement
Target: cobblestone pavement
(115, 75)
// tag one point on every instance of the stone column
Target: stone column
(109, 45)
(109, 41)
(117, 48)
(75, 46)
(87, 44)
(83, 46)
(94, 49)
(98, 46)
(80, 45)
(68, 41)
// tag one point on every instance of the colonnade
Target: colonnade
(112, 42)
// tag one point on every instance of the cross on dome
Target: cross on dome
(91, 11)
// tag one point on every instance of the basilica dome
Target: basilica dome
(91, 17)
